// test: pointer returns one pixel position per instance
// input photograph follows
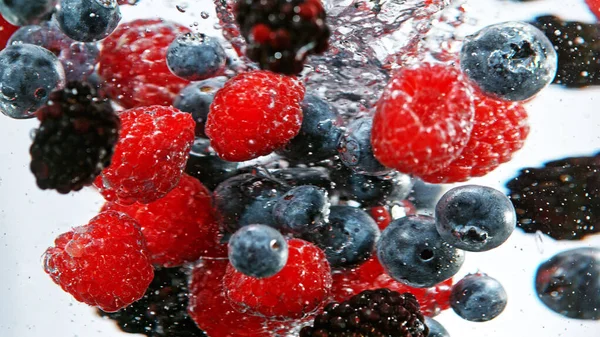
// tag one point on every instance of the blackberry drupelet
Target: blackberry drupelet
(372, 313)
(561, 199)
(162, 312)
(282, 33)
(75, 140)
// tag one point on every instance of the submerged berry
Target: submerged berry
(478, 298)
(258, 251)
(88, 20)
(195, 57)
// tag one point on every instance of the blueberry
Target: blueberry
(196, 99)
(319, 134)
(88, 20)
(302, 209)
(356, 151)
(511, 61)
(196, 57)
(475, 218)
(412, 252)
(425, 196)
(258, 251)
(26, 12)
(247, 199)
(78, 59)
(435, 328)
(28, 74)
(349, 237)
(298, 176)
(478, 298)
(204, 165)
(569, 283)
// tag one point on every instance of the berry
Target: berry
(500, 129)
(150, 155)
(382, 216)
(435, 328)
(549, 199)
(254, 114)
(319, 134)
(88, 20)
(162, 312)
(247, 199)
(478, 298)
(425, 196)
(204, 165)
(133, 63)
(6, 31)
(196, 99)
(298, 176)
(258, 251)
(373, 191)
(511, 61)
(28, 75)
(281, 34)
(380, 312)
(302, 209)
(475, 218)
(356, 151)
(594, 6)
(412, 252)
(348, 238)
(299, 289)
(75, 140)
(195, 56)
(26, 12)
(423, 120)
(178, 227)
(103, 263)
(568, 283)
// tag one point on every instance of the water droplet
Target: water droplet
(539, 241)
(204, 15)
(181, 8)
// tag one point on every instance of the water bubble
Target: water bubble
(204, 15)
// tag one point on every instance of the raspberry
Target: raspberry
(371, 275)
(103, 263)
(150, 155)
(594, 6)
(500, 129)
(382, 214)
(178, 227)
(75, 140)
(133, 63)
(423, 119)
(254, 114)
(297, 290)
(6, 31)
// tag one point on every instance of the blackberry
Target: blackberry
(162, 312)
(372, 313)
(561, 199)
(282, 33)
(75, 140)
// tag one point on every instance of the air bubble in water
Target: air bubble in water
(204, 15)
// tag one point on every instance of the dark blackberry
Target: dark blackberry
(282, 33)
(372, 313)
(75, 140)
(578, 47)
(561, 199)
(162, 312)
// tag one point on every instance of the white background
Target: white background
(564, 122)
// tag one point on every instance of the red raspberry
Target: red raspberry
(254, 114)
(178, 227)
(6, 31)
(300, 288)
(150, 155)
(103, 263)
(371, 275)
(423, 119)
(133, 62)
(500, 129)
(594, 6)
(383, 217)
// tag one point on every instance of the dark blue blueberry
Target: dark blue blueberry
(511, 61)
(298, 176)
(78, 58)
(478, 298)
(319, 134)
(196, 99)
(196, 57)
(349, 237)
(88, 20)
(569, 283)
(435, 328)
(475, 218)
(425, 196)
(412, 252)
(204, 165)
(302, 209)
(26, 12)
(28, 74)
(356, 151)
(258, 251)
(247, 199)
